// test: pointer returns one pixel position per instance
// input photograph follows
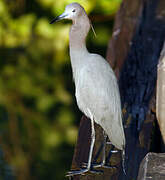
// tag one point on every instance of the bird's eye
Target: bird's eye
(74, 10)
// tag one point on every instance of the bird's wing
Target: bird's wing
(99, 93)
(97, 89)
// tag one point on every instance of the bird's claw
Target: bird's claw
(99, 165)
(114, 151)
(83, 171)
(102, 165)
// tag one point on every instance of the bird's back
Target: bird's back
(97, 90)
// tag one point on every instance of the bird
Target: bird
(96, 88)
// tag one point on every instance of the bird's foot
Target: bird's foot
(103, 165)
(109, 143)
(114, 151)
(83, 171)
(99, 165)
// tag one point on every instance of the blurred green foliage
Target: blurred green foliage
(38, 113)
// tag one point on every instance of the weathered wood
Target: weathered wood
(152, 167)
(160, 93)
(133, 52)
(126, 21)
(82, 150)
(137, 83)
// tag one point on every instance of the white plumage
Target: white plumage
(97, 92)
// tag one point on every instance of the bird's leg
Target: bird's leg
(103, 152)
(92, 143)
(103, 162)
(104, 146)
(112, 151)
(88, 167)
(123, 161)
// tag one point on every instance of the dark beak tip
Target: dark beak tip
(54, 20)
(58, 18)
(51, 22)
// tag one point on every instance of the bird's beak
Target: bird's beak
(58, 18)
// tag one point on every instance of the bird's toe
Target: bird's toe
(99, 165)
(82, 172)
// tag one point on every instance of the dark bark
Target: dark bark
(133, 51)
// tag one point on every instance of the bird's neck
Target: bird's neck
(77, 43)
(78, 33)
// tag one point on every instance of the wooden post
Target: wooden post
(133, 52)
(160, 93)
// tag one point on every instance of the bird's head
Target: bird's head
(72, 12)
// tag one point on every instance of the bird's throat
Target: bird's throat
(78, 33)
(77, 39)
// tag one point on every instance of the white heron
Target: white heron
(96, 87)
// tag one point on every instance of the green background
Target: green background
(39, 117)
